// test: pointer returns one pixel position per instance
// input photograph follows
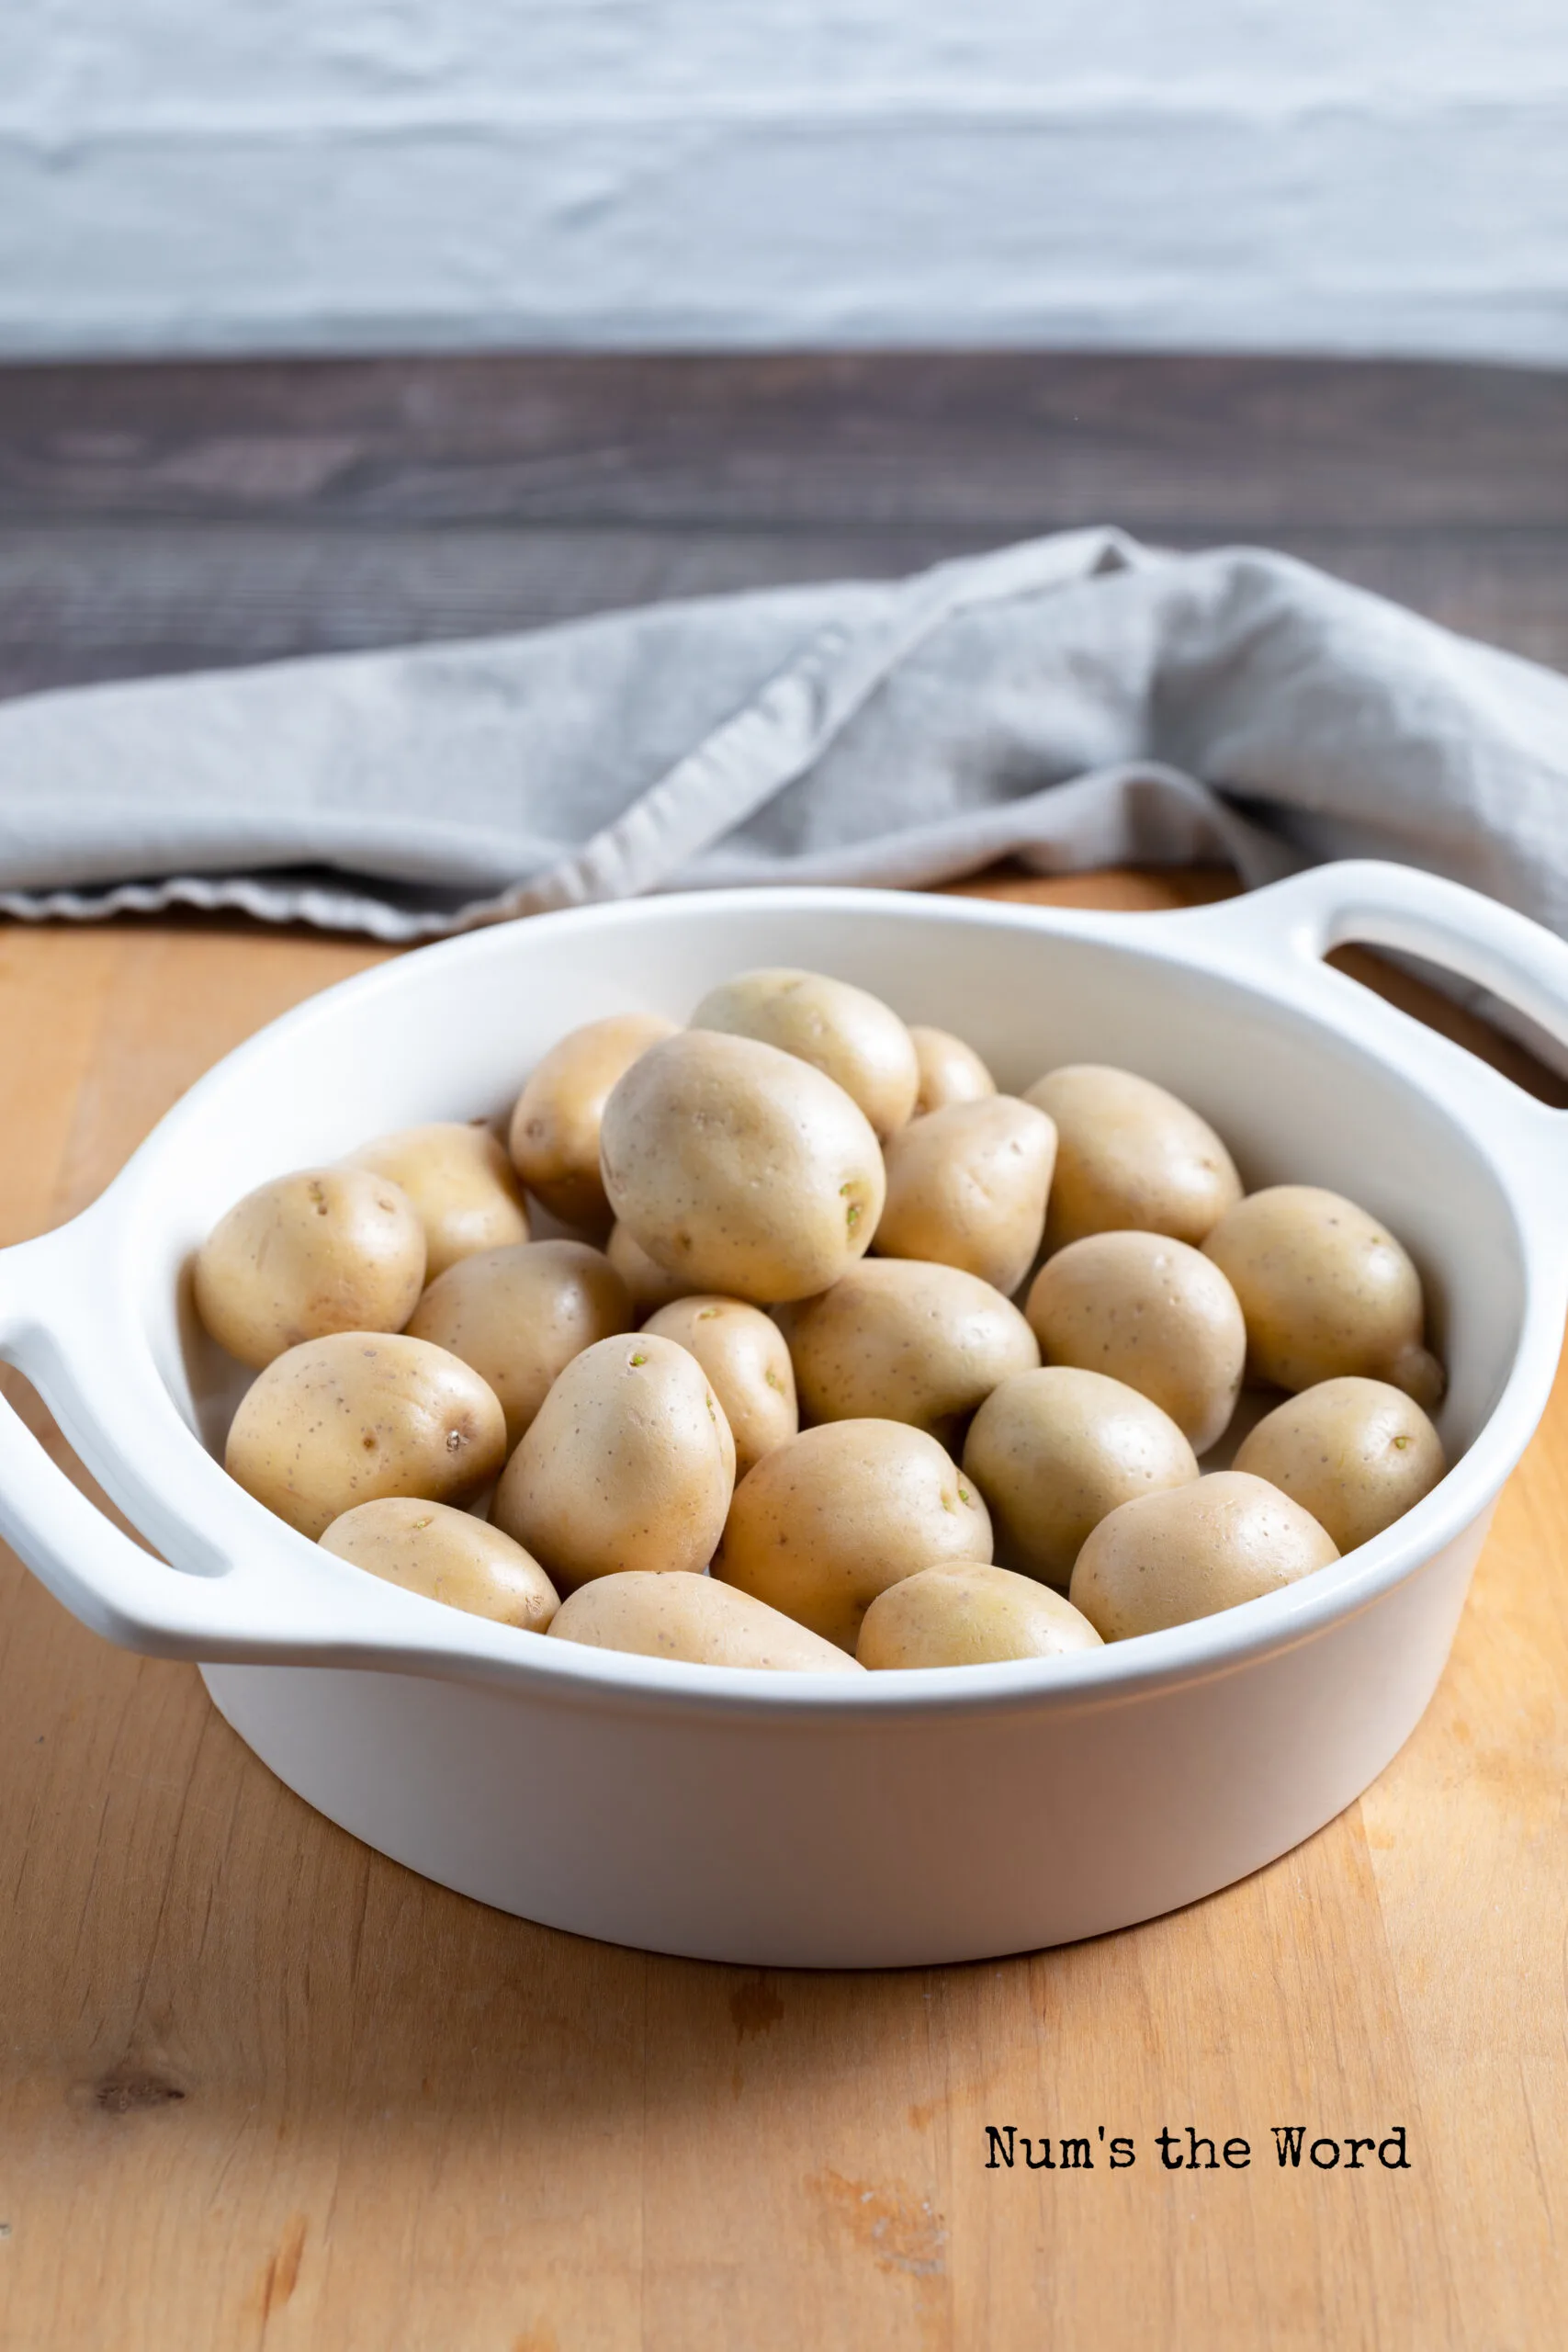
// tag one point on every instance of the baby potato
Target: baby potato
(1130, 1158)
(740, 1168)
(460, 1182)
(627, 1464)
(519, 1316)
(897, 1339)
(360, 1414)
(972, 1615)
(554, 1136)
(691, 1617)
(1056, 1451)
(1327, 1291)
(966, 1187)
(744, 1355)
(647, 1282)
(950, 1071)
(850, 1038)
(1153, 1312)
(325, 1250)
(448, 1556)
(1168, 1558)
(1357, 1453)
(834, 1516)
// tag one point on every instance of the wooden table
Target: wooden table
(260, 2087)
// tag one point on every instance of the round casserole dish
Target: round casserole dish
(789, 1820)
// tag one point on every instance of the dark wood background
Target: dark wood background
(163, 517)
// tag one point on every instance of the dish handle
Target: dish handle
(249, 1590)
(1371, 903)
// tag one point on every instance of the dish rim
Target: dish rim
(1241, 943)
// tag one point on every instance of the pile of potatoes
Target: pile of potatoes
(779, 1404)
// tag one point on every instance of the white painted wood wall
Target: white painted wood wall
(302, 174)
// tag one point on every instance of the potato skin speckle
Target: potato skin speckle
(1130, 1158)
(1055, 1452)
(1357, 1453)
(1152, 1312)
(629, 1463)
(743, 1353)
(680, 1615)
(554, 1134)
(322, 1250)
(850, 1036)
(902, 1340)
(357, 1416)
(460, 1183)
(967, 1187)
(519, 1314)
(827, 1521)
(1327, 1291)
(1170, 1558)
(733, 1165)
(449, 1556)
(969, 1615)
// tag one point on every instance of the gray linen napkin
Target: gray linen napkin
(1072, 701)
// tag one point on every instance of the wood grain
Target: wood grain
(905, 439)
(175, 517)
(259, 2086)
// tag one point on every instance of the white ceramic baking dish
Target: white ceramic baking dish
(789, 1820)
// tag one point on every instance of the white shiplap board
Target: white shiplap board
(233, 174)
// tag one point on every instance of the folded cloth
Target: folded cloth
(1073, 701)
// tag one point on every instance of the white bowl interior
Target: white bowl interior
(452, 1032)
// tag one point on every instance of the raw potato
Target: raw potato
(1326, 1290)
(648, 1283)
(1130, 1158)
(1171, 1557)
(825, 1522)
(901, 1340)
(448, 1556)
(325, 1250)
(460, 1182)
(1056, 1451)
(966, 1187)
(691, 1617)
(628, 1463)
(969, 1616)
(744, 1355)
(950, 1070)
(362, 1414)
(519, 1316)
(1357, 1453)
(850, 1038)
(554, 1136)
(1153, 1312)
(740, 1168)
